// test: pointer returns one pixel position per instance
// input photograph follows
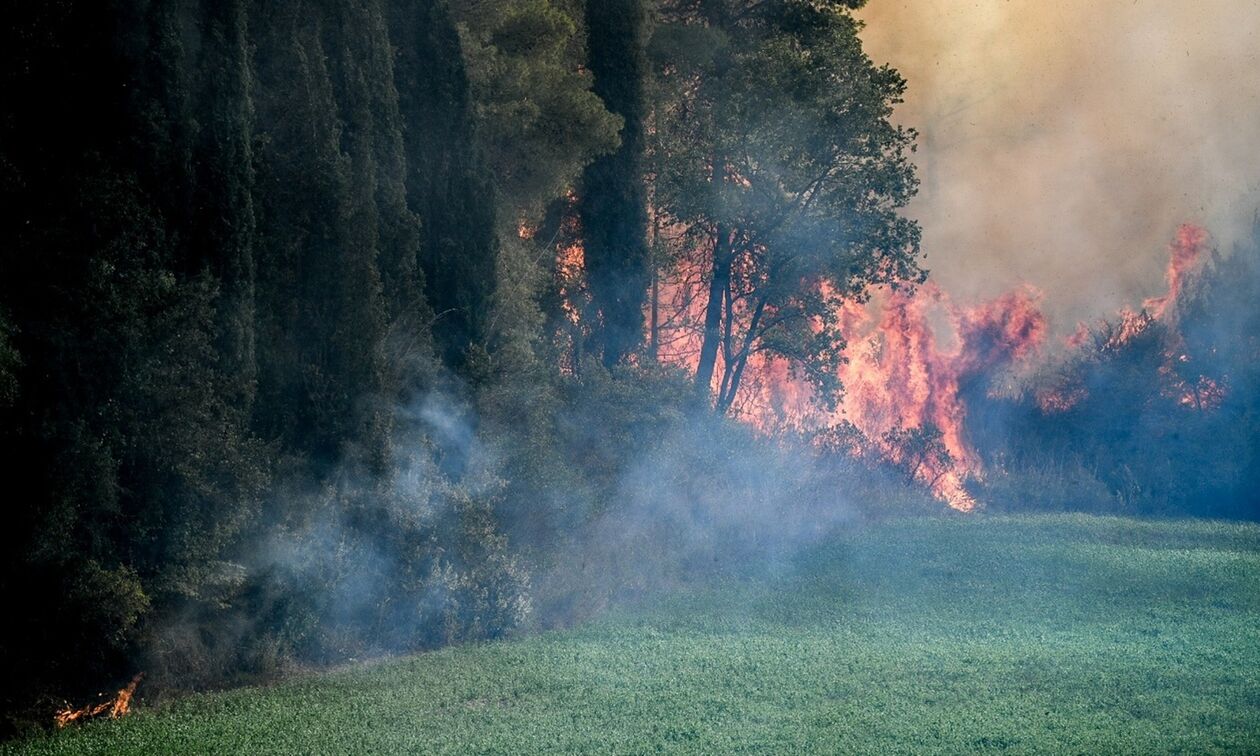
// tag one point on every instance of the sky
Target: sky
(1063, 141)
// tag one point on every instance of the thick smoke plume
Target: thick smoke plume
(1063, 143)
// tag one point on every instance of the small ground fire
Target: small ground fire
(114, 707)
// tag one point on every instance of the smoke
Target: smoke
(1063, 143)
(710, 498)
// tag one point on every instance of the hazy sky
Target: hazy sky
(1063, 141)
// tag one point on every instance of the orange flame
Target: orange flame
(1187, 253)
(905, 373)
(898, 376)
(910, 359)
(117, 706)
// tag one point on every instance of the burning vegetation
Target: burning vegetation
(113, 707)
(913, 362)
(353, 329)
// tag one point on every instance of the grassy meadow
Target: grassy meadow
(1062, 634)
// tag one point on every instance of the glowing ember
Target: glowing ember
(1205, 394)
(570, 261)
(1054, 401)
(114, 707)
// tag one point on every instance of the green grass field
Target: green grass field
(1064, 634)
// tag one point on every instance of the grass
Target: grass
(1064, 634)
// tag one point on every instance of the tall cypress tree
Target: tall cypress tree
(613, 205)
(321, 319)
(448, 183)
(222, 207)
(373, 119)
(136, 471)
(372, 135)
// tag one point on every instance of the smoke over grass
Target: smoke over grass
(1063, 143)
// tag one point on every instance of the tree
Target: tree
(535, 118)
(222, 194)
(321, 309)
(448, 184)
(128, 440)
(779, 158)
(613, 202)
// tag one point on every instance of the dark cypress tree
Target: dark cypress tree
(372, 136)
(355, 37)
(613, 205)
(136, 471)
(321, 318)
(448, 183)
(370, 101)
(222, 211)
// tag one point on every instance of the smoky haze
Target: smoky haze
(1062, 143)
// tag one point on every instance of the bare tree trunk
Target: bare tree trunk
(654, 325)
(714, 12)
(718, 283)
(741, 359)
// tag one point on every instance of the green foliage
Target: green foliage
(319, 290)
(536, 119)
(448, 181)
(486, 587)
(613, 420)
(221, 222)
(776, 149)
(105, 605)
(519, 401)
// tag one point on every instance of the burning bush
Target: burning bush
(1151, 412)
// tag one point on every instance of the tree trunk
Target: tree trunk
(741, 360)
(612, 200)
(654, 332)
(720, 279)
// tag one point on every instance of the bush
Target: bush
(1045, 487)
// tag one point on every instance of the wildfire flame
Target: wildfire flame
(1188, 252)
(908, 357)
(911, 357)
(910, 371)
(114, 707)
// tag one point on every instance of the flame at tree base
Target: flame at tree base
(913, 358)
(909, 354)
(114, 708)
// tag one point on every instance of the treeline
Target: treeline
(289, 371)
(221, 218)
(1154, 413)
